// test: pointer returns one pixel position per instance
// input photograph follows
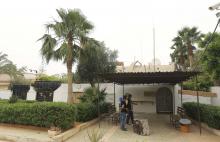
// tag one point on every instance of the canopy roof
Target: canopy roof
(148, 77)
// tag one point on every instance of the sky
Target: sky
(124, 25)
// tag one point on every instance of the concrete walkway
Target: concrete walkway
(23, 135)
(161, 131)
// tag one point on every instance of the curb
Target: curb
(214, 131)
(21, 139)
(69, 133)
(58, 138)
(206, 127)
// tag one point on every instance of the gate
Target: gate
(164, 100)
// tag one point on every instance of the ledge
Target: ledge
(69, 133)
(206, 127)
(194, 93)
(215, 131)
(45, 138)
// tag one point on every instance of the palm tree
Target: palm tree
(64, 38)
(7, 67)
(3, 59)
(179, 55)
(189, 37)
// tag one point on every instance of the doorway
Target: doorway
(164, 100)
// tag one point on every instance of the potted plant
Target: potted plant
(19, 87)
(45, 87)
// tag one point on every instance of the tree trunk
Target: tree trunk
(190, 54)
(182, 62)
(69, 69)
(70, 82)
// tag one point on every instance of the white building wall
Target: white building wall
(216, 100)
(146, 104)
(188, 98)
(60, 95)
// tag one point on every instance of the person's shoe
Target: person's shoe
(124, 129)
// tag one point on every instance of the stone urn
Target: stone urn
(45, 89)
(20, 90)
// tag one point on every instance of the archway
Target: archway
(164, 100)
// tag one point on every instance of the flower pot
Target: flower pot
(184, 128)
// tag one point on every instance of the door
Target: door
(164, 100)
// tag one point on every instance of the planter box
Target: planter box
(20, 91)
(45, 89)
(194, 93)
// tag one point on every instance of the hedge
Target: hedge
(209, 114)
(89, 111)
(42, 114)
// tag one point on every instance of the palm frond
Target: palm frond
(47, 50)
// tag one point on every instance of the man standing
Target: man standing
(123, 111)
(130, 109)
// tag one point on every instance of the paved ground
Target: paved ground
(161, 131)
(19, 134)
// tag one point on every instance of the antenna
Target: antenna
(154, 45)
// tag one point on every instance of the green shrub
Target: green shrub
(86, 112)
(208, 114)
(42, 114)
(89, 96)
(44, 77)
(13, 99)
(204, 83)
(89, 111)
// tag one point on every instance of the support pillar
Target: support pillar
(114, 94)
(123, 89)
(98, 104)
(198, 110)
(181, 94)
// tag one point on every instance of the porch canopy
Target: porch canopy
(148, 77)
(151, 78)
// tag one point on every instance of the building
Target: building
(139, 67)
(5, 79)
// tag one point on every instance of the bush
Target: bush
(44, 77)
(89, 111)
(208, 114)
(42, 114)
(13, 99)
(204, 83)
(89, 96)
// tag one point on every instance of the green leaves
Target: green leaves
(209, 114)
(183, 42)
(88, 111)
(42, 114)
(47, 50)
(63, 34)
(211, 59)
(95, 59)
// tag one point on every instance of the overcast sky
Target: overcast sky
(124, 25)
